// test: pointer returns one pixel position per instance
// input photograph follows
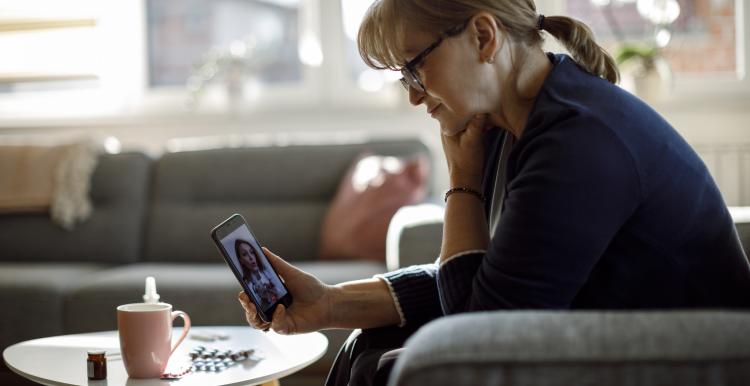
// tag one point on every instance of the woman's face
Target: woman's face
(247, 257)
(458, 83)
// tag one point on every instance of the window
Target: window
(368, 79)
(698, 36)
(705, 58)
(210, 38)
(150, 58)
(77, 58)
(48, 46)
(84, 58)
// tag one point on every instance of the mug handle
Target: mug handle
(185, 329)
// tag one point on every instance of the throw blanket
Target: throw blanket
(36, 179)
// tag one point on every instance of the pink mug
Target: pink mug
(146, 337)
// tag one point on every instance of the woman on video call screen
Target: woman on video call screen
(257, 274)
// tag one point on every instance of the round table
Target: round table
(61, 360)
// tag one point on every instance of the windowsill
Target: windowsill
(247, 118)
(702, 103)
(168, 107)
(300, 105)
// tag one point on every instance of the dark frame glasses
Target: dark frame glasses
(409, 71)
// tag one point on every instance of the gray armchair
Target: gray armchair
(579, 348)
(703, 347)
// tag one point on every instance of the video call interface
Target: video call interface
(253, 267)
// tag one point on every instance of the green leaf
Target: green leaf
(628, 52)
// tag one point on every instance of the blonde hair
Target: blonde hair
(382, 30)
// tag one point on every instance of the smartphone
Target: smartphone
(250, 266)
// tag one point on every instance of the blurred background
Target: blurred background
(144, 72)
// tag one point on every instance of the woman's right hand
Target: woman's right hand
(311, 304)
(465, 153)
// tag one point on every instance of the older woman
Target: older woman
(566, 191)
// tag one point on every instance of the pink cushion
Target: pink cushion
(370, 193)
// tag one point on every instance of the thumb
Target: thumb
(279, 264)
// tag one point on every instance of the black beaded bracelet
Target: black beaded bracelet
(463, 189)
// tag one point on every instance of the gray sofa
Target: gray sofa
(153, 217)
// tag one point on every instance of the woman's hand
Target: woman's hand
(311, 305)
(465, 225)
(465, 153)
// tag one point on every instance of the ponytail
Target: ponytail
(579, 41)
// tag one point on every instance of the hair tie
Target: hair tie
(541, 22)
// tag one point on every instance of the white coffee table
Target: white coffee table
(61, 360)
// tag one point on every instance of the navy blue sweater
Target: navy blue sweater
(606, 207)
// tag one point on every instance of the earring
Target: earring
(490, 60)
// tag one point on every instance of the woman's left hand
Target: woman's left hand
(465, 153)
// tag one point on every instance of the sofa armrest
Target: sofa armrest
(579, 348)
(414, 236)
(416, 231)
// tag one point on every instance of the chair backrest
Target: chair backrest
(282, 191)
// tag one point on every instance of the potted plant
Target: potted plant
(644, 71)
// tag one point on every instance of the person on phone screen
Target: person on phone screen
(255, 273)
(566, 192)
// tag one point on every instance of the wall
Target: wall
(721, 136)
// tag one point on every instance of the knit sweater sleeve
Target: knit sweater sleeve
(573, 188)
(415, 293)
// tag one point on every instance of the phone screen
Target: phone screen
(254, 269)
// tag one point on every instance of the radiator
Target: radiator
(730, 166)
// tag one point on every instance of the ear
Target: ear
(487, 35)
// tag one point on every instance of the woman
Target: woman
(566, 192)
(254, 273)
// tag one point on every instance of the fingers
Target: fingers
(279, 324)
(251, 314)
(473, 128)
(275, 259)
(278, 263)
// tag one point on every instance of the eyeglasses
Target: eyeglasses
(409, 71)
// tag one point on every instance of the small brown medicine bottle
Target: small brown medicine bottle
(97, 364)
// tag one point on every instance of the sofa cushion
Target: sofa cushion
(112, 233)
(32, 298)
(180, 233)
(368, 196)
(282, 191)
(591, 348)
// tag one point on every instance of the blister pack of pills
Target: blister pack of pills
(216, 360)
